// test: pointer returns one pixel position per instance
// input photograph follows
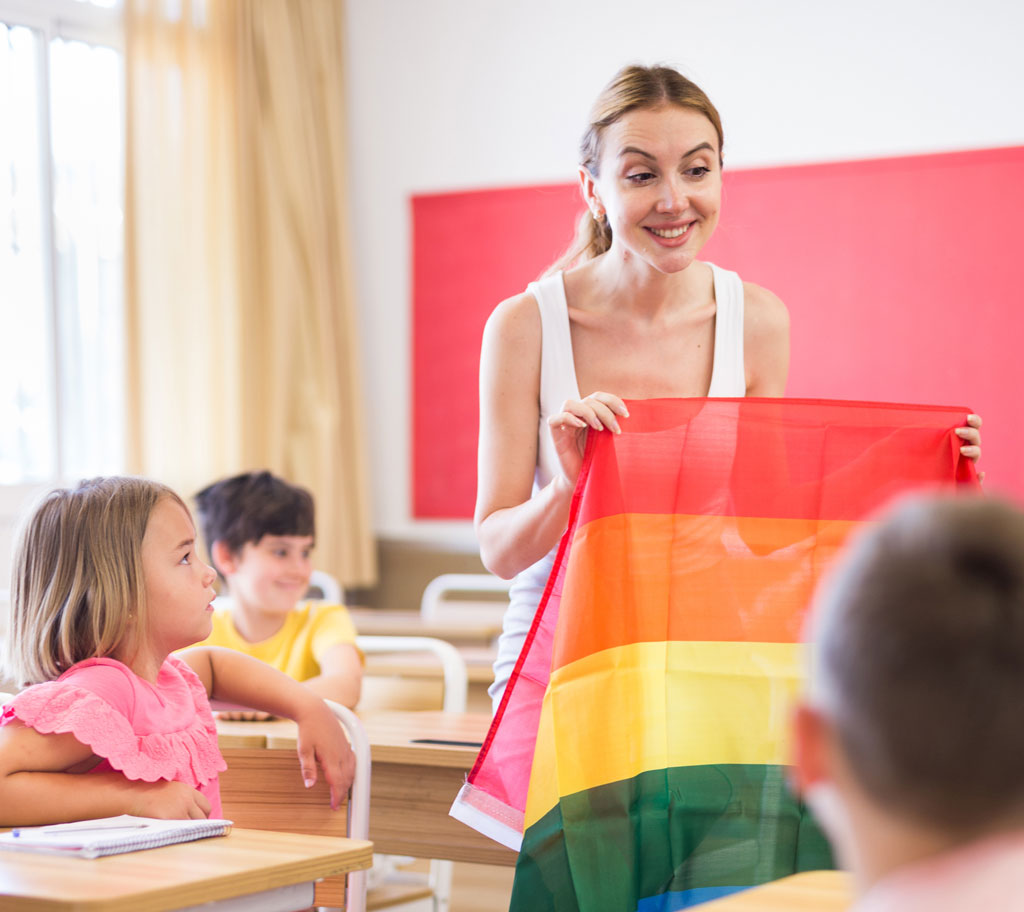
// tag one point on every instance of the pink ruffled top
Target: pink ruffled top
(146, 731)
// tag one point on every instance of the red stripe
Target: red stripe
(787, 458)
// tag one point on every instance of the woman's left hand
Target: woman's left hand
(970, 433)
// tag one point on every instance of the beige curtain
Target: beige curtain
(241, 326)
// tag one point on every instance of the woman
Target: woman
(628, 313)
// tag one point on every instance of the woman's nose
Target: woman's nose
(673, 196)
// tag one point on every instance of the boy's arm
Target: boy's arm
(44, 779)
(240, 679)
(341, 675)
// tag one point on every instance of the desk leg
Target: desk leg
(263, 790)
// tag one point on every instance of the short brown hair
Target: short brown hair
(77, 577)
(632, 88)
(245, 507)
(919, 647)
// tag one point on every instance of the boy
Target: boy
(910, 744)
(260, 533)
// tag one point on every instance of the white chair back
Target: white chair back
(440, 586)
(359, 800)
(456, 678)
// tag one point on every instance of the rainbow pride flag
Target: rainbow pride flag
(638, 757)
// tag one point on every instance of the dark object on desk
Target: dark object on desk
(442, 741)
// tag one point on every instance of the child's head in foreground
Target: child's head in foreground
(918, 678)
(260, 531)
(78, 588)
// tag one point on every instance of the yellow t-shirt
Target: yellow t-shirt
(310, 630)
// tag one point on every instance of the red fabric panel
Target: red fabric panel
(470, 251)
(899, 274)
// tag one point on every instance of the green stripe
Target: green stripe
(606, 848)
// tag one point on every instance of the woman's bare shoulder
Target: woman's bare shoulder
(764, 310)
(515, 320)
(765, 341)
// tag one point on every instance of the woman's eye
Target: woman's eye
(698, 171)
(186, 558)
(640, 177)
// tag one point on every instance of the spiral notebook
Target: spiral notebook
(110, 835)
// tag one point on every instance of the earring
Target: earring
(598, 213)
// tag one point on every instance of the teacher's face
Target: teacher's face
(660, 184)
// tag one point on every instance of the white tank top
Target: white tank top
(558, 383)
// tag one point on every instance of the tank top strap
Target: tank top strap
(728, 375)
(557, 368)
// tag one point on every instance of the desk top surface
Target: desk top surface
(810, 891)
(187, 873)
(479, 664)
(459, 622)
(430, 738)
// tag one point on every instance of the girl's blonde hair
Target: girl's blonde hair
(632, 88)
(77, 587)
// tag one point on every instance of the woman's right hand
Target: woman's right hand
(569, 428)
(168, 800)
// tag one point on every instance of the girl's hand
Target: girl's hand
(971, 436)
(167, 800)
(321, 740)
(569, 427)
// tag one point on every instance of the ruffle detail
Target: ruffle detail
(187, 755)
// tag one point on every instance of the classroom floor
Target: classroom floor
(475, 888)
(481, 888)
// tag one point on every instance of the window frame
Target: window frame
(94, 25)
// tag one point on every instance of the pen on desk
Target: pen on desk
(61, 828)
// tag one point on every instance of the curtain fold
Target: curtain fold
(241, 316)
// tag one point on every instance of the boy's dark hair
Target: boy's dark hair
(920, 651)
(246, 507)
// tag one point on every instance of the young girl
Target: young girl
(106, 585)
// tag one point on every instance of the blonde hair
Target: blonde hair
(77, 586)
(632, 88)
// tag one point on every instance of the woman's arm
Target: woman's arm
(44, 779)
(237, 678)
(516, 528)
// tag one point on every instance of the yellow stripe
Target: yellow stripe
(648, 706)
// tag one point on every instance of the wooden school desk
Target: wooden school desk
(414, 779)
(811, 891)
(245, 863)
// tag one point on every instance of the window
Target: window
(61, 240)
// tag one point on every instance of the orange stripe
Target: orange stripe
(653, 578)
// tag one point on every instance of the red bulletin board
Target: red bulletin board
(901, 276)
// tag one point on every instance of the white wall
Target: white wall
(451, 94)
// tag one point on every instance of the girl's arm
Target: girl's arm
(236, 678)
(42, 780)
(515, 528)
